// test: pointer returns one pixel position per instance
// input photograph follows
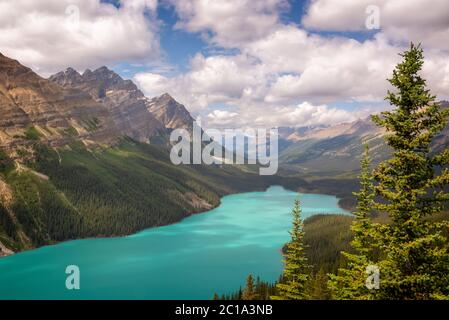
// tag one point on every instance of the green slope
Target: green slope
(75, 192)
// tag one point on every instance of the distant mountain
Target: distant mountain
(335, 151)
(170, 113)
(295, 134)
(442, 140)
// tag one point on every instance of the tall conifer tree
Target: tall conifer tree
(250, 292)
(415, 258)
(295, 276)
(350, 283)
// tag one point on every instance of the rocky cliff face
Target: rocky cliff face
(122, 98)
(56, 114)
(96, 107)
(171, 113)
(75, 191)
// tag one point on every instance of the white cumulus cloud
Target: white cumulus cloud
(400, 20)
(272, 72)
(231, 22)
(50, 35)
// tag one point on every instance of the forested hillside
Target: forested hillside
(76, 192)
(84, 156)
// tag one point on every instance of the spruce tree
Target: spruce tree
(249, 293)
(410, 185)
(295, 276)
(318, 288)
(350, 281)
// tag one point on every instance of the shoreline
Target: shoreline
(10, 252)
(4, 251)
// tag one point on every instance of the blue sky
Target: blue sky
(179, 46)
(238, 62)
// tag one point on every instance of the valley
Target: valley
(270, 150)
(87, 155)
(328, 158)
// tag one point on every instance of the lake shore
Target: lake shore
(180, 261)
(283, 182)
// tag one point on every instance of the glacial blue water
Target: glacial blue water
(193, 259)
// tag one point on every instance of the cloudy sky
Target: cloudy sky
(238, 62)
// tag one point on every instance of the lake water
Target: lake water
(204, 254)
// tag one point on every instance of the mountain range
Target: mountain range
(335, 151)
(87, 155)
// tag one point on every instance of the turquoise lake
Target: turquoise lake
(203, 254)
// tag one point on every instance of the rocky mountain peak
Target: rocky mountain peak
(87, 73)
(170, 112)
(72, 72)
(96, 106)
(69, 76)
(125, 102)
(103, 73)
(169, 103)
(362, 126)
(30, 101)
(97, 83)
(166, 97)
(12, 67)
(4, 60)
(107, 79)
(104, 70)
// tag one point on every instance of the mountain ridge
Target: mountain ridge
(29, 100)
(336, 150)
(97, 107)
(123, 99)
(82, 155)
(170, 112)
